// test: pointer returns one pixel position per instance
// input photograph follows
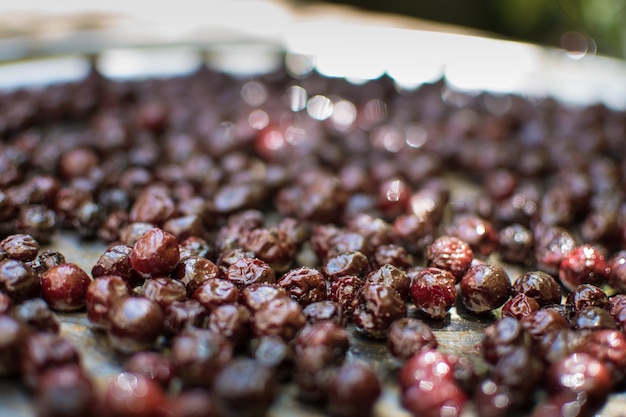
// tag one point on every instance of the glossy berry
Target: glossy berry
(135, 324)
(376, 306)
(519, 306)
(583, 265)
(392, 276)
(64, 287)
(540, 286)
(133, 395)
(246, 271)
(197, 356)
(150, 364)
(102, 293)
(485, 287)
(450, 253)
(580, 373)
(155, 253)
(433, 292)
(353, 390)
(408, 336)
(305, 285)
(278, 317)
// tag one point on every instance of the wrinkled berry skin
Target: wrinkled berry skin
(156, 252)
(540, 286)
(485, 287)
(64, 287)
(278, 317)
(451, 254)
(583, 265)
(305, 285)
(433, 292)
(376, 306)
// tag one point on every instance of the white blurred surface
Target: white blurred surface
(244, 36)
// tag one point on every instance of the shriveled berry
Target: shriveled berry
(324, 310)
(433, 292)
(376, 306)
(36, 314)
(451, 254)
(164, 290)
(12, 335)
(182, 314)
(392, 276)
(485, 287)
(115, 260)
(519, 306)
(344, 290)
(544, 321)
(255, 295)
(155, 253)
(580, 373)
(278, 317)
(540, 286)
(22, 247)
(215, 292)
(232, 321)
(587, 295)
(43, 351)
(345, 263)
(246, 271)
(18, 280)
(503, 337)
(193, 271)
(305, 285)
(65, 391)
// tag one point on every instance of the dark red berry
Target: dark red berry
(376, 306)
(135, 324)
(451, 254)
(408, 336)
(583, 265)
(64, 287)
(433, 292)
(353, 390)
(155, 253)
(485, 287)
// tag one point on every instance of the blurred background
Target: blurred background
(589, 25)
